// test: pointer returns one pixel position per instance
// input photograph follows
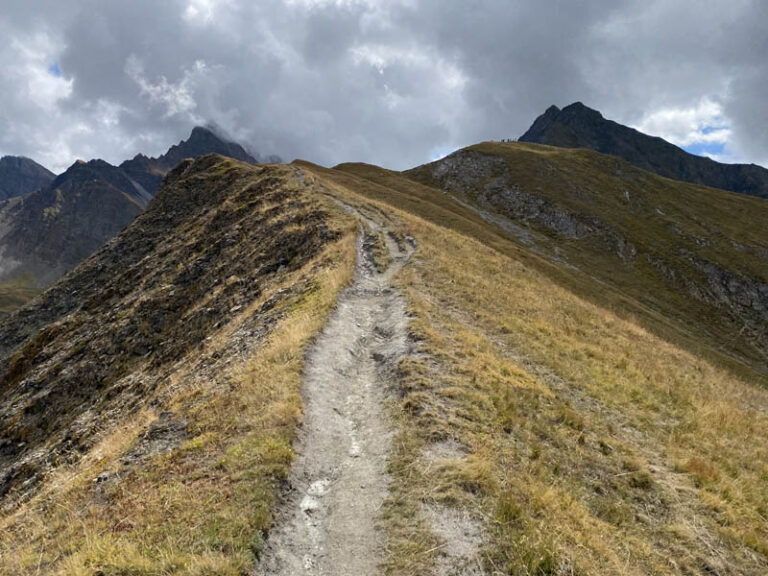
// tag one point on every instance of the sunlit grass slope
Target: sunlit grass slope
(697, 256)
(582, 441)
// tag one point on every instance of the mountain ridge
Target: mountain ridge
(546, 407)
(50, 230)
(578, 126)
(20, 175)
(687, 250)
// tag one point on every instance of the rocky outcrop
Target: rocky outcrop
(486, 178)
(577, 126)
(20, 176)
(743, 298)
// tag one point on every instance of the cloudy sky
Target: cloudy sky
(393, 82)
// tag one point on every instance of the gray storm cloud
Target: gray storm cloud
(390, 82)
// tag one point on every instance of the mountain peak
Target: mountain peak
(579, 126)
(580, 109)
(578, 105)
(204, 131)
(80, 165)
(104, 174)
(204, 140)
(148, 172)
(20, 175)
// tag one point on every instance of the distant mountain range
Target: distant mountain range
(50, 224)
(578, 126)
(19, 176)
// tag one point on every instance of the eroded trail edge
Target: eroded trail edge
(339, 481)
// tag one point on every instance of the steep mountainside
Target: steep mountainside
(50, 231)
(493, 373)
(149, 172)
(19, 176)
(53, 229)
(696, 256)
(577, 126)
(141, 348)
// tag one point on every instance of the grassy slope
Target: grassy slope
(590, 444)
(641, 295)
(203, 506)
(661, 217)
(15, 294)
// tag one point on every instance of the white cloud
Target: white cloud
(31, 96)
(702, 123)
(177, 98)
(373, 80)
(28, 60)
(204, 11)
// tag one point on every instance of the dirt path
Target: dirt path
(326, 525)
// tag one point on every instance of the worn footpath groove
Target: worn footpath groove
(338, 483)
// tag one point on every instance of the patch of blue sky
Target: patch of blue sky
(54, 70)
(706, 148)
(711, 129)
(440, 152)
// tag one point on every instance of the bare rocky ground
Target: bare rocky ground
(327, 523)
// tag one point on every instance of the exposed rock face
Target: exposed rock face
(743, 298)
(489, 180)
(577, 126)
(219, 235)
(643, 234)
(53, 229)
(19, 176)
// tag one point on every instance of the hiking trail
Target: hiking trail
(338, 483)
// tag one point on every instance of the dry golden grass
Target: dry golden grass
(586, 416)
(590, 445)
(203, 507)
(584, 443)
(635, 292)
